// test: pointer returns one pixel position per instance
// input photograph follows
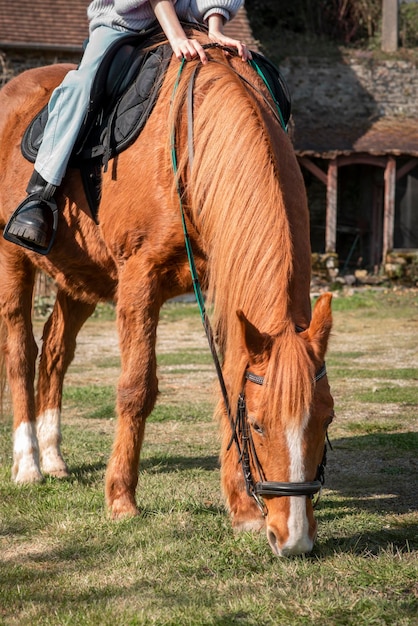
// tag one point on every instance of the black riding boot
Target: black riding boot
(33, 224)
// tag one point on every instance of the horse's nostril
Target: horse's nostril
(274, 544)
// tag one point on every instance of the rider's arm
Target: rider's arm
(182, 46)
(216, 33)
(190, 48)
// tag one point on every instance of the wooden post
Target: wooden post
(389, 207)
(389, 25)
(331, 219)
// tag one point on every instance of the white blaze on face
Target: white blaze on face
(298, 524)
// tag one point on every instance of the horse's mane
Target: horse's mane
(237, 203)
(238, 197)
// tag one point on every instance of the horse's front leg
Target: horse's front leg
(20, 351)
(59, 342)
(138, 310)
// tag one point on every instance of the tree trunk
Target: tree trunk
(389, 25)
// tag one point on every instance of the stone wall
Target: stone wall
(13, 62)
(353, 87)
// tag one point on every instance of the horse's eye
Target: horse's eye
(256, 427)
(329, 419)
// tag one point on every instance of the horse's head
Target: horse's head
(286, 408)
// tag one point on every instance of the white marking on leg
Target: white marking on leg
(26, 454)
(298, 524)
(49, 436)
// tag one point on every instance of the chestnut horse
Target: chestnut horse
(246, 213)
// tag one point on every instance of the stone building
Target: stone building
(356, 137)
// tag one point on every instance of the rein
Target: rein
(241, 431)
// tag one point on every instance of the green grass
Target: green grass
(370, 427)
(184, 412)
(64, 562)
(105, 311)
(194, 356)
(383, 303)
(395, 442)
(91, 401)
(99, 403)
(403, 373)
(173, 311)
(402, 395)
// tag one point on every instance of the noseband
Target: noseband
(242, 436)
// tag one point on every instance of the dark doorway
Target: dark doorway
(360, 217)
(317, 201)
(406, 212)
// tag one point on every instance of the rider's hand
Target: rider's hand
(215, 23)
(183, 47)
(188, 49)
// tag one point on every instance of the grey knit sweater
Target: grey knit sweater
(135, 15)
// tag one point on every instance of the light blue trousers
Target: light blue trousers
(68, 106)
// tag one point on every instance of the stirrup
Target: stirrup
(50, 208)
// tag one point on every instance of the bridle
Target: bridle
(240, 428)
(247, 454)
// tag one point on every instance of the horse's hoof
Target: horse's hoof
(57, 469)
(123, 508)
(26, 476)
(58, 473)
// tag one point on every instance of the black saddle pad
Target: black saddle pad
(123, 95)
(276, 83)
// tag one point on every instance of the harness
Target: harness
(241, 435)
(243, 439)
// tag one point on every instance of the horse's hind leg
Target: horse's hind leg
(17, 277)
(59, 342)
(138, 311)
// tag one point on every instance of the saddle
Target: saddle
(123, 95)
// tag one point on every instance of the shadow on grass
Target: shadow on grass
(371, 474)
(367, 543)
(87, 473)
(168, 464)
(374, 472)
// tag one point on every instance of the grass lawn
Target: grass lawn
(62, 561)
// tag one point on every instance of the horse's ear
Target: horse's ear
(320, 327)
(255, 342)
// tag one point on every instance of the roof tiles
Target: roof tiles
(62, 25)
(387, 135)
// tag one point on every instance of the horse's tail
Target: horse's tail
(3, 376)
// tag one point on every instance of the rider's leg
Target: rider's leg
(66, 110)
